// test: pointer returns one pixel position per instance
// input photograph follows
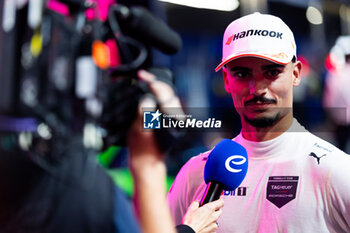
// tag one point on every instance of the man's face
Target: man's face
(262, 91)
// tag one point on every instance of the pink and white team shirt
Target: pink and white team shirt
(296, 183)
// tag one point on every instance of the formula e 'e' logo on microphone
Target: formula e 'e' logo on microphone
(236, 160)
(151, 120)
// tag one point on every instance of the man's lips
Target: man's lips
(259, 102)
(260, 107)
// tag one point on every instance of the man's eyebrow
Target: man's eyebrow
(240, 68)
(272, 66)
(266, 67)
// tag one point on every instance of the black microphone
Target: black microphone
(225, 169)
(140, 24)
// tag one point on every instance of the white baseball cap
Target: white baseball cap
(258, 35)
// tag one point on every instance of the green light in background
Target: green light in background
(121, 176)
(123, 179)
(106, 158)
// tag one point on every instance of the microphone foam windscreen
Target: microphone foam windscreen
(227, 164)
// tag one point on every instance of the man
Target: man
(296, 182)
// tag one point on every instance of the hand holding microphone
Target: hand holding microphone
(225, 169)
(203, 219)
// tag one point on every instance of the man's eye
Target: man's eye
(241, 75)
(273, 73)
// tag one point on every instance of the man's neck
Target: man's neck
(256, 134)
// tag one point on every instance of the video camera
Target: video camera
(74, 67)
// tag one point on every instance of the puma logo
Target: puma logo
(312, 154)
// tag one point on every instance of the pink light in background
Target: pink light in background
(101, 10)
(58, 7)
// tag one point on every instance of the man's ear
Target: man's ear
(297, 66)
(227, 84)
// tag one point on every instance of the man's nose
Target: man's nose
(257, 87)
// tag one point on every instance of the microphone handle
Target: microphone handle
(212, 192)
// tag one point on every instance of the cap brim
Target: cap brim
(251, 55)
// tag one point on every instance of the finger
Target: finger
(218, 204)
(146, 76)
(210, 228)
(164, 93)
(160, 89)
(147, 102)
(194, 205)
(214, 206)
(136, 128)
(215, 216)
(157, 87)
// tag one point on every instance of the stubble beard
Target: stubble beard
(263, 122)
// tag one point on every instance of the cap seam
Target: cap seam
(248, 55)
